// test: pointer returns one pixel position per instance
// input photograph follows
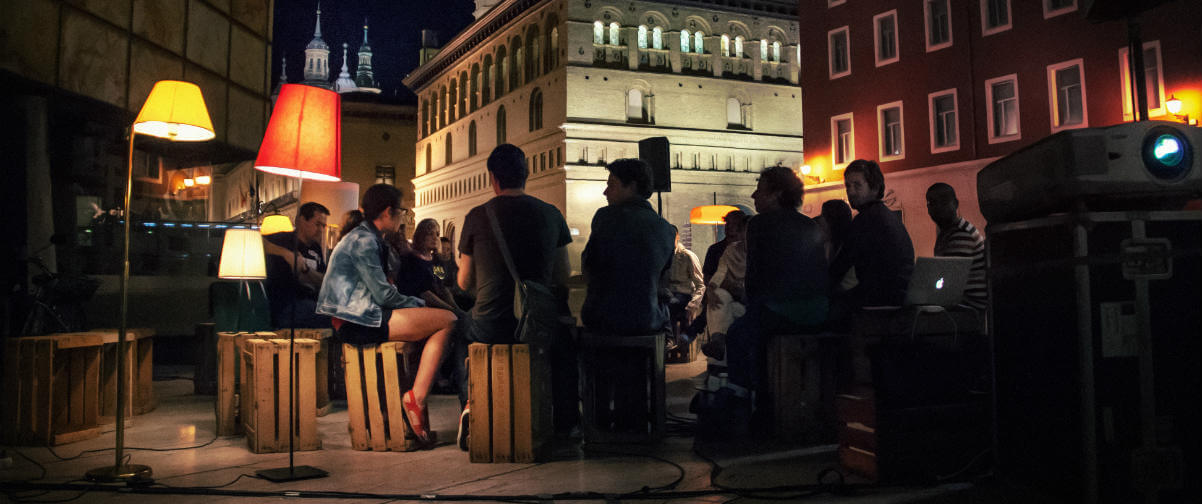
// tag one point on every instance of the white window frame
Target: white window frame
(926, 21)
(1125, 82)
(901, 131)
(985, 29)
(876, 38)
(933, 121)
(615, 33)
(989, 114)
(1053, 95)
(851, 144)
(830, 52)
(1048, 13)
(598, 33)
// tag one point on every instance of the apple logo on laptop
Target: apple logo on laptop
(939, 284)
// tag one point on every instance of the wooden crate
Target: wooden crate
(684, 354)
(51, 386)
(800, 386)
(376, 377)
(510, 395)
(139, 368)
(597, 351)
(230, 375)
(323, 336)
(266, 399)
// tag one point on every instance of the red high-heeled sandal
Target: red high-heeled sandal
(416, 415)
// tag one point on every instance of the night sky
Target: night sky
(394, 33)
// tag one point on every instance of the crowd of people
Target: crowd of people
(775, 272)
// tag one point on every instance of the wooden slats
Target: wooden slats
(51, 389)
(510, 394)
(267, 394)
(377, 423)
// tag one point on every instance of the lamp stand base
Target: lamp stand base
(124, 472)
(284, 474)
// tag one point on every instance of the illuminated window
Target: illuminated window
(684, 41)
(598, 33)
(699, 42)
(1153, 80)
(642, 37)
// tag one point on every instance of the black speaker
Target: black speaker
(1095, 327)
(654, 151)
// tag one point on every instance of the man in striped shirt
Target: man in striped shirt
(958, 238)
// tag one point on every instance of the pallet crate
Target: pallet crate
(266, 398)
(600, 351)
(229, 377)
(51, 389)
(323, 336)
(800, 386)
(139, 367)
(377, 423)
(510, 395)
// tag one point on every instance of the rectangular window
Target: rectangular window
(890, 131)
(939, 24)
(843, 144)
(944, 121)
(1153, 80)
(1053, 8)
(839, 53)
(1066, 93)
(885, 37)
(995, 16)
(385, 174)
(1001, 94)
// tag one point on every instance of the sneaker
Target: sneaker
(464, 423)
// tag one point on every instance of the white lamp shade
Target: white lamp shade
(242, 255)
(339, 197)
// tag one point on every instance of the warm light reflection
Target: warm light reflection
(805, 169)
(1174, 105)
(189, 182)
(187, 433)
(204, 180)
(710, 214)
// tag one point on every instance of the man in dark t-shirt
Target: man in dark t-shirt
(537, 237)
(295, 268)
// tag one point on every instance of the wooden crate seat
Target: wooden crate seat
(51, 389)
(376, 378)
(266, 399)
(509, 393)
(610, 398)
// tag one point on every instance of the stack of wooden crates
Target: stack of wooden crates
(253, 390)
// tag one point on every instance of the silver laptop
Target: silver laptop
(938, 281)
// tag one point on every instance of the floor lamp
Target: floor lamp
(303, 140)
(176, 111)
(242, 259)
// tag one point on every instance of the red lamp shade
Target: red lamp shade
(304, 136)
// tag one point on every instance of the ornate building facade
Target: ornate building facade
(577, 83)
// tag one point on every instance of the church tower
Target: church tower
(363, 75)
(317, 58)
(344, 84)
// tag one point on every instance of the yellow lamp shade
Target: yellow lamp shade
(242, 255)
(710, 214)
(175, 110)
(273, 224)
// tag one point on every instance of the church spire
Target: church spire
(363, 74)
(317, 57)
(317, 30)
(344, 83)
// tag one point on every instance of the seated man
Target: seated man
(295, 269)
(786, 287)
(877, 251)
(687, 286)
(958, 238)
(628, 252)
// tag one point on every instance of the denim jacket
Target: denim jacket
(356, 287)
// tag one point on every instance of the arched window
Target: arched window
(429, 156)
(657, 37)
(739, 46)
(642, 37)
(502, 71)
(515, 65)
(442, 107)
(501, 125)
(598, 33)
(684, 41)
(763, 50)
(471, 139)
(475, 88)
(776, 52)
(634, 106)
(725, 45)
(462, 94)
(699, 42)
(452, 98)
(613, 34)
(424, 126)
(450, 150)
(533, 52)
(536, 109)
(552, 54)
(486, 81)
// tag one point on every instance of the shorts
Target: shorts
(361, 335)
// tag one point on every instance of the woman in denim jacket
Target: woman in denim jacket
(366, 309)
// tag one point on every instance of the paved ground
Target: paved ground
(672, 471)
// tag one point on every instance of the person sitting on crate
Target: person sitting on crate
(295, 266)
(536, 237)
(367, 310)
(687, 286)
(627, 255)
(786, 290)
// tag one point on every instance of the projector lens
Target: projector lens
(1166, 153)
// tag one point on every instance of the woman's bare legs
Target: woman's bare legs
(431, 325)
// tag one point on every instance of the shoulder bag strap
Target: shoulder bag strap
(496, 231)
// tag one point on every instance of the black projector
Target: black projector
(1149, 165)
